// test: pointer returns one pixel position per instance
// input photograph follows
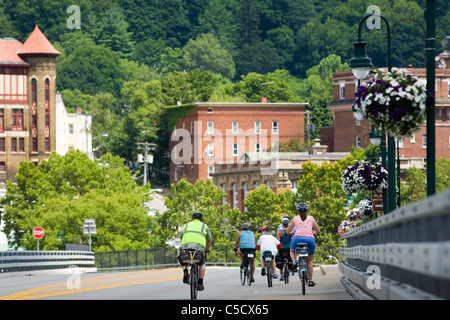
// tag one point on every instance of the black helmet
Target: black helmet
(244, 226)
(302, 206)
(197, 215)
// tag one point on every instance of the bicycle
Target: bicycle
(301, 250)
(268, 257)
(193, 261)
(246, 271)
(286, 270)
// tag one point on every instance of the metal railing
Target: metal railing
(402, 255)
(16, 261)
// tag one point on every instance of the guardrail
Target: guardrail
(17, 261)
(402, 255)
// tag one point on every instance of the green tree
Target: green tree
(206, 54)
(112, 31)
(64, 190)
(203, 196)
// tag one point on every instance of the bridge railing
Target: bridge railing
(17, 261)
(401, 255)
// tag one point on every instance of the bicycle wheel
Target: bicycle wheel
(286, 271)
(250, 272)
(243, 275)
(194, 281)
(303, 282)
(269, 274)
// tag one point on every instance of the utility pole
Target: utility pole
(147, 147)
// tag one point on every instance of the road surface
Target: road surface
(166, 284)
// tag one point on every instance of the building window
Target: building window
(2, 120)
(17, 119)
(235, 149)
(234, 127)
(275, 127)
(210, 149)
(235, 196)
(34, 145)
(13, 144)
(342, 90)
(294, 186)
(449, 88)
(210, 127)
(257, 127)
(358, 142)
(2, 145)
(21, 145)
(210, 171)
(70, 128)
(2, 166)
(47, 144)
(412, 139)
(400, 143)
(192, 173)
(224, 199)
(424, 141)
(245, 195)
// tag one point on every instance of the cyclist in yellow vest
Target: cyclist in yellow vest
(196, 235)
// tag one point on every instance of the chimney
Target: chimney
(263, 99)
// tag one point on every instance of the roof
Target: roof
(37, 43)
(8, 52)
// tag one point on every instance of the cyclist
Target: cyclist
(285, 239)
(196, 235)
(305, 229)
(247, 240)
(267, 242)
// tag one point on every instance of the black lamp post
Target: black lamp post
(361, 65)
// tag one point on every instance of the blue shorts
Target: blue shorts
(309, 240)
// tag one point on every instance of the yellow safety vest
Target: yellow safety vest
(194, 231)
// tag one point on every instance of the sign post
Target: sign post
(377, 202)
(38, 233)
(89, 227)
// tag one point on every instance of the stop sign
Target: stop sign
(38, 233)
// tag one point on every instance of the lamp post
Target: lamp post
(63, 237)
(430, 49)
(361, 65)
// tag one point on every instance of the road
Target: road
(166, 284)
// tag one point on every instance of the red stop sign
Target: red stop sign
(38, 233)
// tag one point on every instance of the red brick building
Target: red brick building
(27, 101)
(213, 133)
(347, 131)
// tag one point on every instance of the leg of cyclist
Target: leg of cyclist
(274, 269)
(263, 267)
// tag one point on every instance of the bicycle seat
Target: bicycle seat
(267, 254)
(302, 249)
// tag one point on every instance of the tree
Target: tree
(263, 208)
(206, 54)
(112, 31)
(203, 196)
(64, 190)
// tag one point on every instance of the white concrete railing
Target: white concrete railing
(17, 261)
(409, 248)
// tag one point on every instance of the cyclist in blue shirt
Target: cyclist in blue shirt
(284, 251)
(248, 244)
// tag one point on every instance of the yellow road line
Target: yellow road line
(97, 283)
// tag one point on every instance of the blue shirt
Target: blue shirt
(247, 239)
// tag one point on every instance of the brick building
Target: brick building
(347, 131)
(27, 101)
(213, 133)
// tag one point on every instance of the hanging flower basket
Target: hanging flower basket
(395, 102)
(346, 226)
(365, 208)
(364, 176)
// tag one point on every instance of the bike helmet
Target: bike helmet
(244, 226)
(197, 215)
(265, 228)
(302, 206)
(284, 221)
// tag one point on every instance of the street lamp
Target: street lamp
(361, 65)
(63, 237)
